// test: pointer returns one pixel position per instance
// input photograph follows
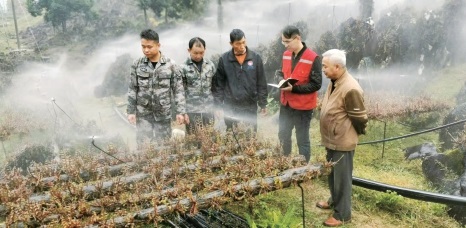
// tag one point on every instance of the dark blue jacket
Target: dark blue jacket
(240, 85)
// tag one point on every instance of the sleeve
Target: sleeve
(218, 85)
(262, 92)
(315, 79)
(178, 89)
(354, 106)
(132, 89)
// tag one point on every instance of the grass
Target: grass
(446, 84)
(371, 208)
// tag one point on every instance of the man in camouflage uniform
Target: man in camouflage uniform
(197, 80)
(153, 80)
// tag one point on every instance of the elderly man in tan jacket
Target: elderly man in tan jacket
(343, 118)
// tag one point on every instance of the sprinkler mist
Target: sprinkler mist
(55, 103)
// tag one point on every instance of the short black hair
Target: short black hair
(198, 41)
(290, 30)
(236, 34)
(149, 34)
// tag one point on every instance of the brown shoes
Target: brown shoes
(323, 205)
(333, 222)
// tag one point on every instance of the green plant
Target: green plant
(275, 218)
(389, 201)
(273, 105)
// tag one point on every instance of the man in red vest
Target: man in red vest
(298, 100)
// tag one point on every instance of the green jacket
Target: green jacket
(197, 86)
(151, 90)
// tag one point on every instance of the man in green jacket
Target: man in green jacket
(198, 73)
(343, 118)
(153, 79)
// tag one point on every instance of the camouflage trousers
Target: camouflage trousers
(150, 130)
(199, 120)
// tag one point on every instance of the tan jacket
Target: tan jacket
(343, 114)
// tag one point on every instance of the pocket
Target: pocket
(143, 77)
(164, 81)
(191, 77)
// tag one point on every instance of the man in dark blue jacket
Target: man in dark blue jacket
(240, 85)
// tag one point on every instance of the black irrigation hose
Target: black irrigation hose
(197, 221)
(171, 224)
(233, 131)
(236, 138)
(229, 213)
(53, 101)
(302, 199)
(92, 142)
(413, 134)
(411, 193)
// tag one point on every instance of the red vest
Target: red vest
(301, 72)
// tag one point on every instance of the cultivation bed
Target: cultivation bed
(168, 186)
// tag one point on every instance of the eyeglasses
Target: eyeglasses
(286, 42)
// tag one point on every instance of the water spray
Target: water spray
(53, 101)
(55, 120)
(93, 143)
(233, 130)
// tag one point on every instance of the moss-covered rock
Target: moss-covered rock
(35, 153)
(450, 136)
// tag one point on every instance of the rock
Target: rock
(458, 212)
(461, 97)
(420, 151)
(35, 153)
(436, 169)
(449, 135)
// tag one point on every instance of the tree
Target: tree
(178, 9)
(59, 12)
(144, 5)
(365, 8)
(354, 36)
(219, 15)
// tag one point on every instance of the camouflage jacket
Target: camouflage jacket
(197, 85)
(150, 89)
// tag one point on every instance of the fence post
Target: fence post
(384, 134)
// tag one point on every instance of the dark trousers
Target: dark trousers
(340, 183)
(199, 120)
(247, 115)
(290, 118)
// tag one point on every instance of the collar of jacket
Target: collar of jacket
(162, 59)
(232, 58)
(341, 79)
(190, 61)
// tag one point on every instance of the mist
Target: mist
(70, 83)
